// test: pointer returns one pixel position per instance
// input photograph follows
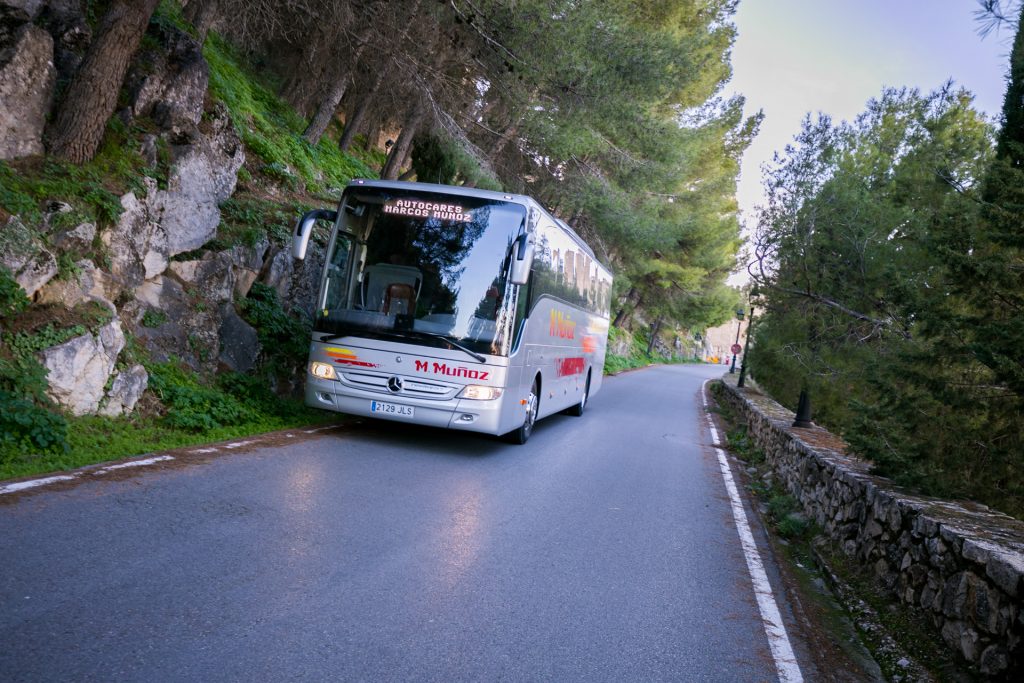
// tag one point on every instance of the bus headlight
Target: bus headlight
(322, 370)
(477, 392)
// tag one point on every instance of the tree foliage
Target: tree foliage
(889, 257)
(607, 112)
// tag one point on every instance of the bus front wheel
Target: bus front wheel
(519, 436)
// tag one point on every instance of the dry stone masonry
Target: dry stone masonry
(960, 563)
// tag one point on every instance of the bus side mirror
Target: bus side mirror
(304, 228)
(522, 260)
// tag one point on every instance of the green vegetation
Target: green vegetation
(272, 130)
(98, 439)
(895, 293)
(12, 296)
(637, 356)
(283, 338)
(93, 189)
(26, 417)
(244, 219)
(153, 318)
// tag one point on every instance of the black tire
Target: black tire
(519, 436)
(577, 409)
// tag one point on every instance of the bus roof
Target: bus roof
(447, 189)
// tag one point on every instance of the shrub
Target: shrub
(24, 426)
(12, 297)
(284, 339)
(191, 405)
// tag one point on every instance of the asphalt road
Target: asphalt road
(602, 550)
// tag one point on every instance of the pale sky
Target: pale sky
(792, 57)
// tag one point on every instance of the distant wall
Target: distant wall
(961, 563)
(719, 340)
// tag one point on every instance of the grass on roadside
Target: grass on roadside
(95, 439)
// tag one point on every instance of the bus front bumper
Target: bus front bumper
(465, 414)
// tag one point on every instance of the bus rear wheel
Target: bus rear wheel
(519, 436)
(577, 409)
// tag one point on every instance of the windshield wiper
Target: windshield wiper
(332, 337)
(407, 334)
(476, 356)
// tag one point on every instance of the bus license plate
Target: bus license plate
(391, 409)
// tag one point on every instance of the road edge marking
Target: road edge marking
(134, 463)
(32, 483)
(778, 641)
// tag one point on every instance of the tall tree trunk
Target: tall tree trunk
(373, 134)
(92, 95)
(655, 328)
(332, 98)
(621, 314)
(403, 145)
(302, 85)
(355, 122)
(506, 137)
(325, 111)
(201, 14)
(352, 127)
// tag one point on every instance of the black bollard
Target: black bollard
(803, 411)
(746, 351)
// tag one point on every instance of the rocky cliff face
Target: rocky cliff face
(173, 296)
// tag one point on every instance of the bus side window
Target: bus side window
(338, 274)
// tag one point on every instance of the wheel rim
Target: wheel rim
(531, 410)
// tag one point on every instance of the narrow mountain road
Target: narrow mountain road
(605, 549)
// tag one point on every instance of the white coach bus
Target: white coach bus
(454, 307)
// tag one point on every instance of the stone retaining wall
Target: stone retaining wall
(961, 563)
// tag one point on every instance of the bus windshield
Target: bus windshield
(421, 265)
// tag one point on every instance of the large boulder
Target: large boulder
(296, 282)
(171, 320)
(76, 239)
(125, 392)
(23, 253)
(79, 368)
(172, 87)
(305, 283)
(159, 313)
(204, 172)
(183, 217)
(247, 262)
(88, 283)
(28, 9)
(277, 272)
(211, 277)
(239, 342)
(27, 79)
(138, 243)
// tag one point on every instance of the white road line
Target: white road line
(318, 429)
(22, 485)
(203, 450)
(135, 463)
(238, 444)
(782, 651)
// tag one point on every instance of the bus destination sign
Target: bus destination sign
(421, 209)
